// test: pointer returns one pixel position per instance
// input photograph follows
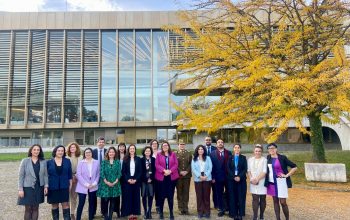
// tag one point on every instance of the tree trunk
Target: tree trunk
(318, 152)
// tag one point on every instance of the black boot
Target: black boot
(149, 214)
(55, 214)
(171, 216)
(66, 214)
(161, 216)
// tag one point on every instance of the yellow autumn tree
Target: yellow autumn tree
(275, 62)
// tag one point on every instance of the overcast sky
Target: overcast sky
(92, 5)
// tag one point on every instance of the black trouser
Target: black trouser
(167, 190)
(220, 188)
(92, 204)
(237, 196)
(108, 211)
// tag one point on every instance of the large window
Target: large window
(5, 43)
(18, 89)
(91, 66)
(109, 77)
(143, 76)
(73, 76)
(55, 74)
(160, 76)
(37, 77)
(126, 76)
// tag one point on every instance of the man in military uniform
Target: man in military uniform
(184, 158)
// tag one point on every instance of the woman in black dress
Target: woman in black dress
(147, 188)
(131, 171)
(32, 182)
(59, 171)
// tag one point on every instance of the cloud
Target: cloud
(20, 5)
(92, 5)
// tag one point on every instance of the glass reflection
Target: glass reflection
(73, 71)
(126, 76)
(160, 76)
(143, 76)
(91, 66)
(109, 78)
(18, 87)
(37, 77)
(5, 43)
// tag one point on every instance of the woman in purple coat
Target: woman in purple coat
(88, 174)
(166, 174)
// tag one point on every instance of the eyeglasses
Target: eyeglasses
(207, 140)
(271, 148)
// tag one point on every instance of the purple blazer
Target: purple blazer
(160, 166)
(83, 176)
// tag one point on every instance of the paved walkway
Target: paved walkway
(304, 204)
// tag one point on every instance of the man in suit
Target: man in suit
(99, 154)
(219, 158)
(184, 159)
(210, 148)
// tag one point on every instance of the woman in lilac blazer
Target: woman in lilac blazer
(166, 175)
(88, 174)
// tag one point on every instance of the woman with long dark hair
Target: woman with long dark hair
(201, 169)
(155, 149)
(121, 151)
(147, 188)
(132, 172)
(32, 182)
(59, 170)
(167, 175)
(109, 186)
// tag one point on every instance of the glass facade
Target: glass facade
(37, 77)
(109, 77)
(126, 76)
(5, 51)
(18, 85)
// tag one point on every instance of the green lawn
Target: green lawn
(332, 157)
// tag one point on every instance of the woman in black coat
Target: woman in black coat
(131, 174)
(147, 189)
(237, 184)
(277, 178)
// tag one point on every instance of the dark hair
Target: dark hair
(196, 155)
(77, 153)
(154, 140)
(115, 151)
(145, 148)
(41, 154)
(119, 145)
(86, 149)
(165, 142)
(271, 144)
(127, 155)
(240, 146)
(55, 150)
(220, 139)
(100, 139)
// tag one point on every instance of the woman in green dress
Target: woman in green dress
(109, 185)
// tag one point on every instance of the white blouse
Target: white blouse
(132, 167)
(256, 167)
(201, 164)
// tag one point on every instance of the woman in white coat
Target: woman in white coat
(257, 167)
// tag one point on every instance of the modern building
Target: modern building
(75, 76)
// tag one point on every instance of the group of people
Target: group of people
(122, 180)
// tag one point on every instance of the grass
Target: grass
(332, 157)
